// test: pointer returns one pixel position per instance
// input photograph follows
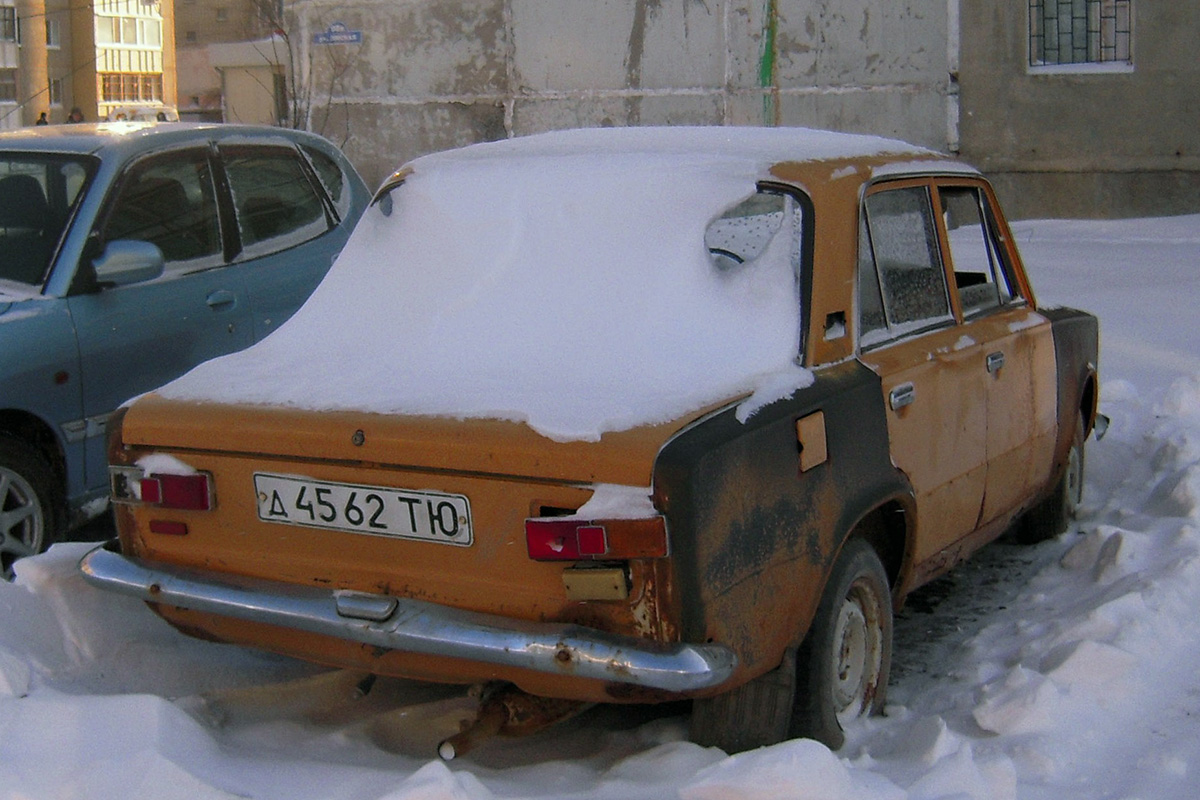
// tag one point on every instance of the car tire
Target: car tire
(838, 673)
(843, 663)
(1052, 515)
(756, 714)
(29, 503)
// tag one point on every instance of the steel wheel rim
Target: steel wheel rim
(857, 657)
(1074, 481)
(22, 523)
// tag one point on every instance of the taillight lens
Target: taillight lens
(191, 492)
(572, 539)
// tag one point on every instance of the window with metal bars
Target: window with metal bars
(1080, 32)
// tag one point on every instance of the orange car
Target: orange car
(620, 416)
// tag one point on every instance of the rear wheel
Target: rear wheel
(838, 674)
(1051, 516)
(843, 664)
(28, 503)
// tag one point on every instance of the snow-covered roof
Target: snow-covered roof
(561, 280)
(764, 146)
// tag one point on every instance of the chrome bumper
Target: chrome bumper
(415, 626)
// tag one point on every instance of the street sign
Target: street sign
(337, 33)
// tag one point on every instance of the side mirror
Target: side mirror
(126, 261)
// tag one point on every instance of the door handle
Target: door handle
(902, 395)
(994, 362)
(220, 298)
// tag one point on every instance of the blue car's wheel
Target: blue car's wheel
(27, 503)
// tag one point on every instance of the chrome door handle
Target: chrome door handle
(994, 362)
(902, 395)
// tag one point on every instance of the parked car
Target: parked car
(128, 254)
(620, 416)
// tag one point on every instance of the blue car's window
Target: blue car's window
(169, 201)
(333, 179)
(277, 205)
(37, 194)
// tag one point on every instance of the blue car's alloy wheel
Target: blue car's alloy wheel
(26, 515)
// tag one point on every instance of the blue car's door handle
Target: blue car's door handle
(220, 299)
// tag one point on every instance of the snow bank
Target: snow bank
(561, 280)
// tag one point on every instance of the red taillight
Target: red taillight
(569, 539)
(188, 492)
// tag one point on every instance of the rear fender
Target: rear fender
(754, 536)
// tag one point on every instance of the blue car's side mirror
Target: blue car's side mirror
(126, 261)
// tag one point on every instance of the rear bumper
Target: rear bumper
(416, 626)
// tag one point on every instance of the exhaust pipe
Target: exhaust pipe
(508, 711)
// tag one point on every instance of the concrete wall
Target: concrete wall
(433, 74)
(1084, 144)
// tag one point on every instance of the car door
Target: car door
(136, 337)
(1017, 343)
(279, 204)
(934, 385)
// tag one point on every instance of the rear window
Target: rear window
(579, 294)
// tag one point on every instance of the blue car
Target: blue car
(129, 253)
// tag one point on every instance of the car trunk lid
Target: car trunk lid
(476, 446)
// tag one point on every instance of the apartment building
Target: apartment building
(107, 58)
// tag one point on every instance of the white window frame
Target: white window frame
(119, 23)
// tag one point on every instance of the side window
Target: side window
(37, 194)
(903, 244)
(979, 274)
(169, 201)
(277, 205)
(333, 179)
(872, 322)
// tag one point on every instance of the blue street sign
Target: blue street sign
(337, 33)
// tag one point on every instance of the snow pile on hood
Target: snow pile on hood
(560, 280)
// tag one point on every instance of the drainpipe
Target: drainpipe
(766, 65)
(953, 49)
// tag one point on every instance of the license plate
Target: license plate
(377, 510)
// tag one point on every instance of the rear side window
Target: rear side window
(277, 206)
(170, 201)
(333, 179)
(900, 257)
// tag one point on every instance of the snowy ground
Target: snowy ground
(1062, 671)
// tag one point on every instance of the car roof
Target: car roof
(804, 157)
(766, 146)
(131, 137)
